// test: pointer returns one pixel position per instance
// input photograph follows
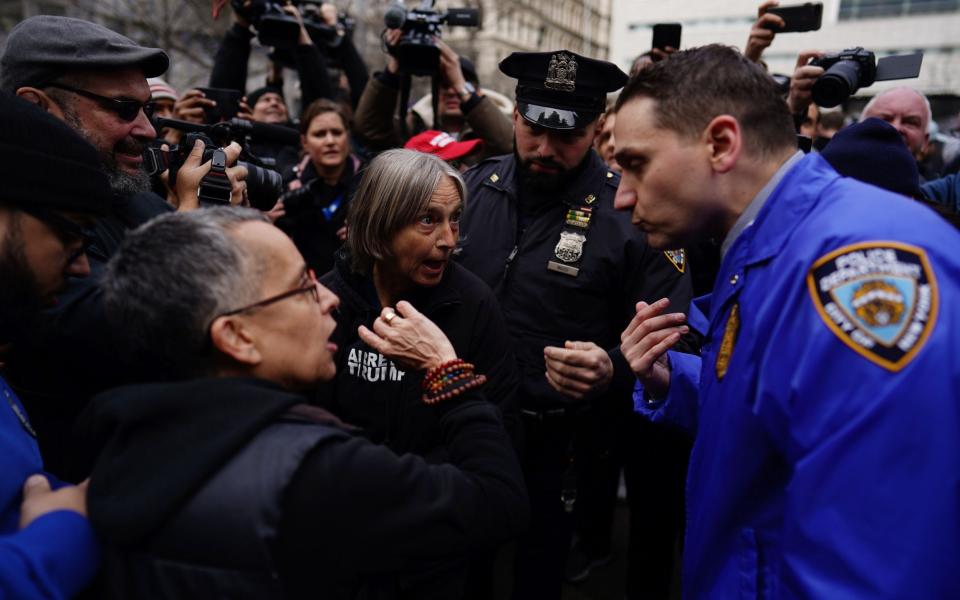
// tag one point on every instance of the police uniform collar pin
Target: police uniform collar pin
(561, 73)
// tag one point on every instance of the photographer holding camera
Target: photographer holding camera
(267, 104)
(94, 80)
(465, 111)
(828, 79)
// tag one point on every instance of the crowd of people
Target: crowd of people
(351, 351)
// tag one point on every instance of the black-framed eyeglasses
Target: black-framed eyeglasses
(312, 287)
(125, 108)
(68, 230)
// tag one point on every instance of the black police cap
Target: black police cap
(561, 90)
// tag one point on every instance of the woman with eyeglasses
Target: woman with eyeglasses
(320, 185)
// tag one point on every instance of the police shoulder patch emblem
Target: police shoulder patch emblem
(880, 299)
(677, 258)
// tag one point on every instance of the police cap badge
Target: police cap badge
(561, 90)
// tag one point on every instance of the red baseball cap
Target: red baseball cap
(442, 145)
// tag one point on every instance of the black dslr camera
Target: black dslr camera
(280, 30)
(264, 185)
(416, 52)
(215, 186)
(854, 68)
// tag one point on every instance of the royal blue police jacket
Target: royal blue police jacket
(826, 402)
(57, 554)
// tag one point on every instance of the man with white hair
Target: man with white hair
(908, 111)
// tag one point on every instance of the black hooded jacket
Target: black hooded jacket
(316, 211)
(351, 512)
(383, 400)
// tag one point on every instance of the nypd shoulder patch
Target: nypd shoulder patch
(880, 298)
(677, 258)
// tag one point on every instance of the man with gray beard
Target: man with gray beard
(94, 80)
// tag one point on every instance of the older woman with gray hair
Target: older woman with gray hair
(404, 229)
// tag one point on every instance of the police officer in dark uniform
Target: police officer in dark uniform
(541, 230)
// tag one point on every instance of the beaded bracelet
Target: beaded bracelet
(455, 389)
(447, 381)
(444, 373)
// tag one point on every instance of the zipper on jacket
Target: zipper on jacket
(510, 258)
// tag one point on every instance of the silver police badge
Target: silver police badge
(561, 73)
(570, 247)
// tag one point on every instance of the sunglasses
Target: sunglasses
(125, 108)
(69, 231)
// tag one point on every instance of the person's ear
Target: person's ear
(40, 98)
(724, 140)
(231, 338)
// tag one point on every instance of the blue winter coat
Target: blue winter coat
(56, 555)
(945, 191)
(825, 402)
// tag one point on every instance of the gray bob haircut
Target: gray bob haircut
(394, 190)
(171, 277)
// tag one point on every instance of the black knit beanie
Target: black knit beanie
(253, 96)
(873, 151)
(45, 162)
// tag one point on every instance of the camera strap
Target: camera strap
(435, 91)
(405, 84)
(215, 187)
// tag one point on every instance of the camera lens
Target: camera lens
(837, 83)
(264, 186)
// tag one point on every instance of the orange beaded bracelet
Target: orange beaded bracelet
(455, 389)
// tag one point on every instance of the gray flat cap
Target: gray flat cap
(43, 48)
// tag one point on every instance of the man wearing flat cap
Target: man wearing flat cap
(94, 80)
(568, 269)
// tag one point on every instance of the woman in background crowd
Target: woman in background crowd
(321, 185)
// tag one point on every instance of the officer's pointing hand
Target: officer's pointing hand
(645, 341)
(579, 369)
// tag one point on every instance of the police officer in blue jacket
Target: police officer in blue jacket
(824, 405)
(541, 230)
